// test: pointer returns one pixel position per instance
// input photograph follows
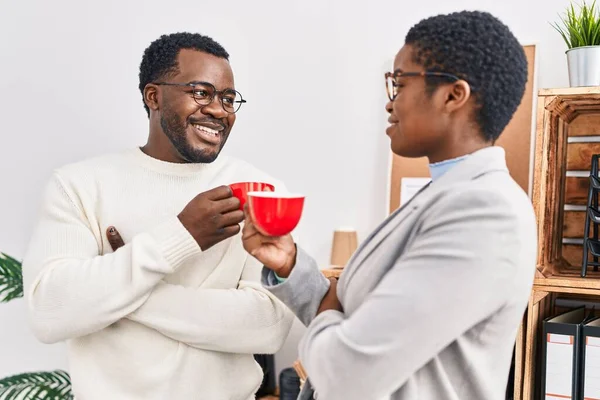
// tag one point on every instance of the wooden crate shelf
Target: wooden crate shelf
(567, 121)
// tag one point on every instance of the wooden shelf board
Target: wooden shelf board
(555, 283)
(583, 90)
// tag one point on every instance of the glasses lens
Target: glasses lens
(231, 100)
(203, 94)
(391, 87)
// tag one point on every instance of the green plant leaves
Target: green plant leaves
(11, 279)
(580, 29)
(52, 385)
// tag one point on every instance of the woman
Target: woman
(429, 305)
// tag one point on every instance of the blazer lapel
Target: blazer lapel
(381, 232)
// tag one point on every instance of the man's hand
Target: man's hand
(114, 238)
(212, 216)
(276, 253)
(330, 301)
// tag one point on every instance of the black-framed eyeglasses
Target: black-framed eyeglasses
(203, 94)
(392, 85)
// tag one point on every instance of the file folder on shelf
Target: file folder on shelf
(591, 360)
(561, 355)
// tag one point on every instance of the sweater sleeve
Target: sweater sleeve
(247, 319)
(73, 291)
(395, 331)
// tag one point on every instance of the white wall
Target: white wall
(312, 71)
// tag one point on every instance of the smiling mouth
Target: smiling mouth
(209, 135)
(208, 130)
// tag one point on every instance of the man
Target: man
(429, 306)
(178, 311)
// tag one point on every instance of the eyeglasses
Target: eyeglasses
(203, 94)
(392, 86)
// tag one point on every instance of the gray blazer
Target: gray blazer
(432, 298)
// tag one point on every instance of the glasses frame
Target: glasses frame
(216, 92)
(395, 75)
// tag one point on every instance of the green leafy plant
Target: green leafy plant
(11, 278)
(580, 28)
(51, 385)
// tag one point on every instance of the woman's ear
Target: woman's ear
(457, 95)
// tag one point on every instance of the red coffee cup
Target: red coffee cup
(241, 189)
(276, 214)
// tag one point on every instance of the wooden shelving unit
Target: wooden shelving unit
(568, 120)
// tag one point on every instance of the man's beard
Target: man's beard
(175, 129)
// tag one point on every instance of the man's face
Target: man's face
(197, 132)
(416, 118)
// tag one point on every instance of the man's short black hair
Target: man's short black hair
(160, 58)
(479, 48)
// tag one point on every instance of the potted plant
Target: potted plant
(581, 32)
(51, 385)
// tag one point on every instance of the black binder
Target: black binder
(562, 349)
(590, 359)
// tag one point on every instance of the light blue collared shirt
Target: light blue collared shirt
(440, 168)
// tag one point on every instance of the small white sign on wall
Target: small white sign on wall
(410, 186)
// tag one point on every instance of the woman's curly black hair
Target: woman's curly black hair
(160, 58)
(479, 48)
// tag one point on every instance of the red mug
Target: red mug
(241, 189)
(276, 214)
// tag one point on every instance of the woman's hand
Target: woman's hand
(330, 301)
(278, 253)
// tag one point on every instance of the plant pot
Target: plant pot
(584, 66)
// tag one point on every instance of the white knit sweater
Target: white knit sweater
(158, 318)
